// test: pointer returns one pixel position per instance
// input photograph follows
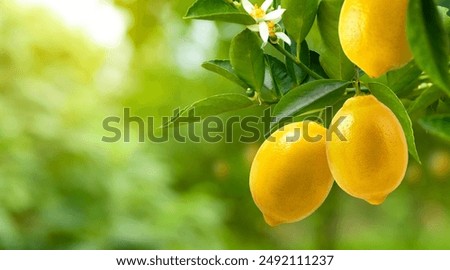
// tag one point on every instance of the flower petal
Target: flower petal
(253, 27)
(283, 37)
(274, 15)
(266, 5)
(247, 6)
(264, 31)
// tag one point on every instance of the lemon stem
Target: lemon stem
(297, 61)
(357, 82)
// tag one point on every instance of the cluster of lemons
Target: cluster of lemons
(293, 171)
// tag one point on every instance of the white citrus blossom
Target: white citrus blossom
(269, 30)
(266, 22)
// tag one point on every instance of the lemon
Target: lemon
(289, 176)
(373, 34)
(370, 157)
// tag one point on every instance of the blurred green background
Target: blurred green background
(61, 187)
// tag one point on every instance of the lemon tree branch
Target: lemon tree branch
(297, 61)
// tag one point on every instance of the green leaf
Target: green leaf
(224, 68)
(299, 17)
(444, 3)
(444, 12)
(429, 42)
(332, 57)
(307, 97)
(210, 106)
(247, 58)
(295, 71)
(269, 93)
(218, 10)
(282, 81)
(386, 96)
(315, 64)
(426, 98)
(438, 125)
(404, 79)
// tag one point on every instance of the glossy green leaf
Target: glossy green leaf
(307, 97)
(224, 68)
(444, 3)
(438, 125)
(218, 10)
(429, 42)
(445, 15)
(315, 64)
(247, 58)
(299, 17)
(210, 106)
(296, 72)
(404, 79)
(332, 57)
(386, 96)
(282, 81)
(268, 93)
(428, 97)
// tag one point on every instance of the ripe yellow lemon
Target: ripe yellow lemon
(373, 34)
(369, 156)
(289, 176)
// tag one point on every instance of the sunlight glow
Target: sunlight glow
(101, 21)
